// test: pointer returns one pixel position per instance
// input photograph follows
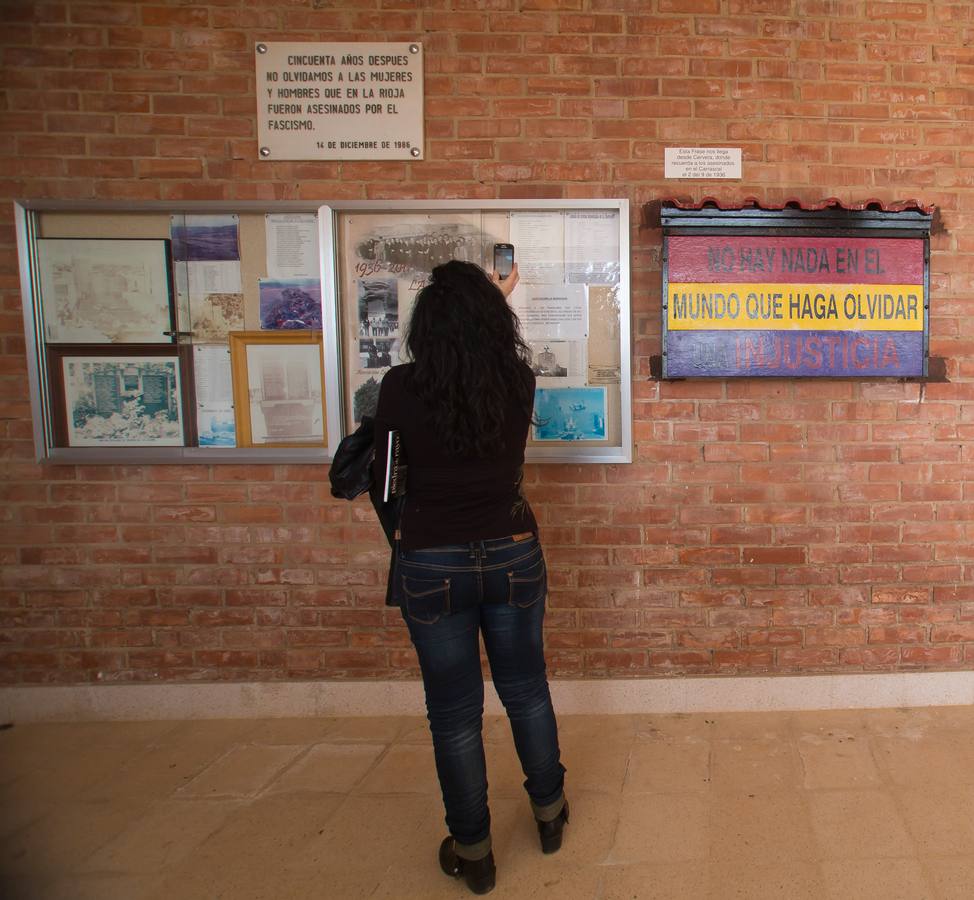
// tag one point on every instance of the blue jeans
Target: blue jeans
(450, 596)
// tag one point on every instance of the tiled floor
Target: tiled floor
(852, 805)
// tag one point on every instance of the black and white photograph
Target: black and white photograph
(558, 363)
(378, 353)
(419, 248)
(105, 291)
(409, 244)
(364, 390)
(378, 308)
(119, 401)
(545, 363)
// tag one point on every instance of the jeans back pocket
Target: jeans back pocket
(528, 584)
(426, 600)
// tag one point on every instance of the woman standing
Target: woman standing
(470, 563)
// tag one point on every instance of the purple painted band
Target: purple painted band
(692, 354)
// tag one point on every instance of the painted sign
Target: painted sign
(339, 101)
(794, 306)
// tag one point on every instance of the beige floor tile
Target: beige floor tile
(504, 775)
(24, 801)
(40, 790)
(174, 761)
(858, 825)
(797, 808)
(758, 827)
(416, 730)
(274, 880)
(366, 729)
(402, 827)
(26, 748)
(614, 729)
(268, 848)
(404, 768)
(420, 879)
(168, 833)
(101, 887)
(838, 759)
(290, 731)
(668, 766)
(661, 828)
(61, 841)
(936, 758)
(329, 767)
(128, 734)
(242, 772)
(496, 729)
(876, 879)
(588, 836)
(902, 722)
(830, 723)
(210, 733)
(759, 765)
(939, 819)
(751, 726)
(951, 878)
(655, 882)
(553, 877)
(596, 763)
(786, 879)
(954, 718)
(673, 727)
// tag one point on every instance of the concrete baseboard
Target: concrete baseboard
(386, 698)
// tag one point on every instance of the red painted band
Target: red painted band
(796, 260)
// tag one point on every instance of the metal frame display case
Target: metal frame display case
(572, 300)
(370, 259)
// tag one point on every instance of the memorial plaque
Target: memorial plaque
(155, 393)
(340, 100)
(702, 162)
(107, 397)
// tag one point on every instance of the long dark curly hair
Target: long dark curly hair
(469, 359)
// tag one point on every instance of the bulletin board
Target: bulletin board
(162, 334)
(572, 302)
(259, 332)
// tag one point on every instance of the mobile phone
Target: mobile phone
(503, 259)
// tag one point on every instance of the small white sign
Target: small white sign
(702, 162)
(339, 101)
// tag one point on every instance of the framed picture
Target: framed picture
(105, 291)
(570, 414)
(278, 388)
(106, 397)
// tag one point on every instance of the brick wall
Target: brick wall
(765, 526)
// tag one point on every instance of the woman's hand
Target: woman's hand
(505, 285)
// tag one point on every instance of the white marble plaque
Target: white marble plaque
(339, 100)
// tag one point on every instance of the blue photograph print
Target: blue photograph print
(290, 304)
(570, 414)
(216, 428)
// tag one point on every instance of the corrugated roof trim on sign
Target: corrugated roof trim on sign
(795, 203)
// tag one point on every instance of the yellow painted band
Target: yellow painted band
(794, 307)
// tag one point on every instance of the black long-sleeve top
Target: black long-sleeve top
(452, 499)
